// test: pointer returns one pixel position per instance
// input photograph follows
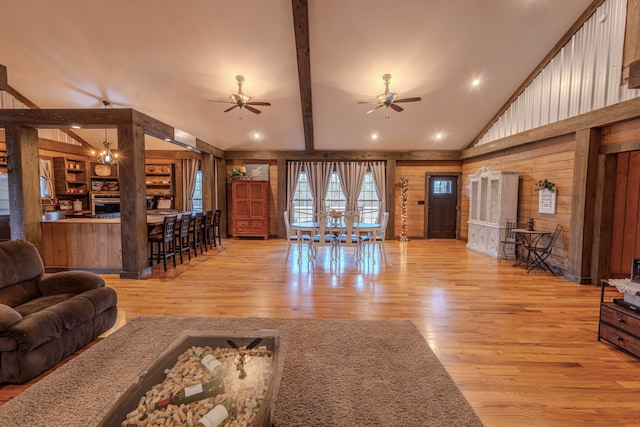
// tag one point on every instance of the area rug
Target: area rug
(336, 373)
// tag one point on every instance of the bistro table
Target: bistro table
(530, 239)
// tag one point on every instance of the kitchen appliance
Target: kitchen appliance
(105, 203)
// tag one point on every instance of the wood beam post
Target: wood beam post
(301, 30)
(603, 219)
(631, 54)
(583, 205)
(282, 196)
(208, 181)
(25, 205)
(133, 202)
(391, 195)
(221, 183)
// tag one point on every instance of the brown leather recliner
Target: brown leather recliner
(44, 319)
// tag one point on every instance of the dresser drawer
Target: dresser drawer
(620, 338)
(620, 319)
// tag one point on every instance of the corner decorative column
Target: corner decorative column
(404, 185)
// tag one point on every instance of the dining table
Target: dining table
(310, 227)
(529, 239)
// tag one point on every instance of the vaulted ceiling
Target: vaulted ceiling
(169, 59)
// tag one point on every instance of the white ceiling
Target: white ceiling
(167, 58)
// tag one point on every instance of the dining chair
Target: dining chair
(349, 235)
(183, 232)
(215, 227)
(380, 236)
(324, 235)
(293, 237)
(540, 253)
(164, 242)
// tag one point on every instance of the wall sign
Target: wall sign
(547, 201)
(258, 171)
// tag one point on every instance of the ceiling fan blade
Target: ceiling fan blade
(224, 102)
(230, 108)
(253, 110)
(396, 107)
(409, 99)
(374, 109)
(366, 102)
(258, 103)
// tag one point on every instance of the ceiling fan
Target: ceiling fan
(241, 100)
(389, 99)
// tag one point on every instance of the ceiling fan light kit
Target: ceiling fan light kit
(389, 99)
(106, 156)
(240, 100)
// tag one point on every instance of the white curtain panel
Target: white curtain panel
(319, 174)
(293, 173)
(47, 175)
(190, 169)
(378, 171)
(351, 177)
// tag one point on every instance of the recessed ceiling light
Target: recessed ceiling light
(476, 82)
(439, 136)
(256, 136)
(168, 139)
(374, 136)
(76, 127)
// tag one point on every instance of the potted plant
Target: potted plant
(545, 184)
(235, 174)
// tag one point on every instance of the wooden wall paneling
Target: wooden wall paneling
(631, 226)
(274, 224)
(135, 263)
(603, 218)
(582, 208)
(24, 184)
(619, 206)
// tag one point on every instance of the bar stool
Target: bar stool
(215, 227)
(207, 222)
(165, 243)
(196, 233)
(183, 232)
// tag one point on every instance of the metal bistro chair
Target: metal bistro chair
(368, 240)
(183, 232)
(506, 252)
(540, 254)
(349, 235)
(165, 243)
(324, 235)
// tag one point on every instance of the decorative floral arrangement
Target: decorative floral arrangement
(236, 174)
(334, 213)
(545, 184)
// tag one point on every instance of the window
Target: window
(197, 194)
(442, 186)
(368, 200)
(369, 203)
(302, 200)
(335, 198)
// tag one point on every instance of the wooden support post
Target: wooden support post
(603, 219)
(282, 196)
(133, 203)
(221, 182)
(391, 196)
(583, 204)
(25, 205)
(208, 181)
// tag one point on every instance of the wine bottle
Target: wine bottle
(220, 414)
(192, 394)
(213, 365)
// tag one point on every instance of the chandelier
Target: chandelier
(106, 156)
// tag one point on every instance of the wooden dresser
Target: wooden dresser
(250, 203)
(619, 323)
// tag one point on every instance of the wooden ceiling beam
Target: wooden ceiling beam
(301, 29)
(345, 155)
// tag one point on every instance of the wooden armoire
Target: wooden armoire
(250, 203)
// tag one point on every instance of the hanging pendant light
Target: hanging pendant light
(106, 156)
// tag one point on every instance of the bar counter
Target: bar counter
(92, 244)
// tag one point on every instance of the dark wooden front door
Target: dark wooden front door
(441, 208)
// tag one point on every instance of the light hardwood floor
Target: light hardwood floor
(522, 347)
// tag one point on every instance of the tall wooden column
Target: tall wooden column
(221, 182)
(24, 184)
(391, 196)
(133, 202)
(585, 173)
(208, 181)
